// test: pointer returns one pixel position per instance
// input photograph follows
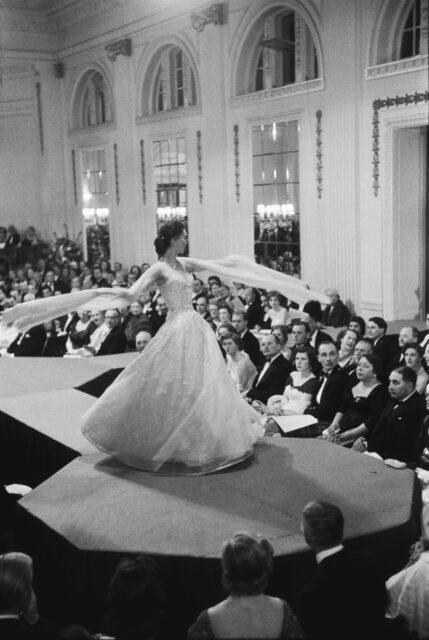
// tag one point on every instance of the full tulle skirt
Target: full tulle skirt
(175, 408)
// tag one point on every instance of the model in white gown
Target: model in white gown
(175, 407)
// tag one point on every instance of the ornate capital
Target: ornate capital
(122, 47)
(212, 15)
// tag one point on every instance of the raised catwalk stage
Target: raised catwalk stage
(81, 520)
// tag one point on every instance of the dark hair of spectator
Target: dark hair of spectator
(342, 333)
(376, 364)
(314, 310)
(360, 321)
(226, 306)
(283, 330)
(408, 374)
(215, 280)
(247, 562)
(135, 599)
(327, 342)
(312, 358)
(380, 322)
(240, 312)
(368, 341)
(232, 336)
(301, 323)
(167, 233)
(323, 524)
(413, 345)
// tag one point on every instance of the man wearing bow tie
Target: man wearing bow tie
(395, 433)
(271, 380)
(332, 383)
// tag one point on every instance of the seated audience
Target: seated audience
(250, 342)
(247, 613)
(336, 313)
(282, 332)
(142, 340)
(425, 337)
(79, 331)
(228, 297)
(300, 386)
(224, 313)
(136, 607)
(55, 343)
(408, 592)
(300, 335)
(198, 290)
(214, 313)
(357, 324)
(407, 335)
(97, 336)
(240, 367)
(29, 343)
(362, 404)
(383, 347)
(332, 383)
(272, 377)
(201, 307)
(413, 357)
(134, 322)
(159, 316)
(347, 341)
(345, 599)
(395, 433)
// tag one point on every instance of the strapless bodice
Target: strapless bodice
(177, 293)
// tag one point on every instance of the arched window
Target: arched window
(174, 85)
(95, 107)
(285, 52)
(412, 43)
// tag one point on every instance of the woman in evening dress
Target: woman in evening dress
(174, 408)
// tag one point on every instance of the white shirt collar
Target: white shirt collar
(328, 552)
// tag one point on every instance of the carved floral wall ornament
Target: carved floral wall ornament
(143, 170)
(319, 153)
(212, 15)
(40, 116)
(386, 103)
(73, 153)
(200, 166)
(237, 162)
(115, 161)
(122, 47)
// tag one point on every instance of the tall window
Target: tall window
(95, 198)
(285, 54)
(170, 173)
(174, 82)
(412, 42)
(95, 104)
(276, 195)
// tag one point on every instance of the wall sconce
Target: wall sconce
(165, 214)
(275, 211)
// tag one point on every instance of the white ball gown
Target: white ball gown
(175, 408)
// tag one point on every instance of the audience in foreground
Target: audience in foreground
(247, 613)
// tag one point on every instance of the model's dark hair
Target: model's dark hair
(166, 234)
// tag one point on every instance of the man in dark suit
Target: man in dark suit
(314, 311)
(332, 384)
(253, 307)
(346, 596)
(335, 314)
(272, 378)
(115, 341)
(395, 434)
(250, 342)
(29, 343)
(383, 347)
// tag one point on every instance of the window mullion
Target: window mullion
(269, 56)
(165, 80)
(300, 49)
(424, 30)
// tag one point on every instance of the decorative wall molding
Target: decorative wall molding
(397, 101)
(397, 66)
(212, 15)
(122, 47)
(40, 116)
(200, 167)
(84, 11)
(73, 154)
(10, 108)
(143, 171)
(237, 162)
(186, 112)
(279, 92)
(87, 131)
(115, 161)
(319, 153)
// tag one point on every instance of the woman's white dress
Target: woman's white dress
(175, 408)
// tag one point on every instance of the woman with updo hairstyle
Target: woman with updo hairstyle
(247, 562)
(174, 409)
